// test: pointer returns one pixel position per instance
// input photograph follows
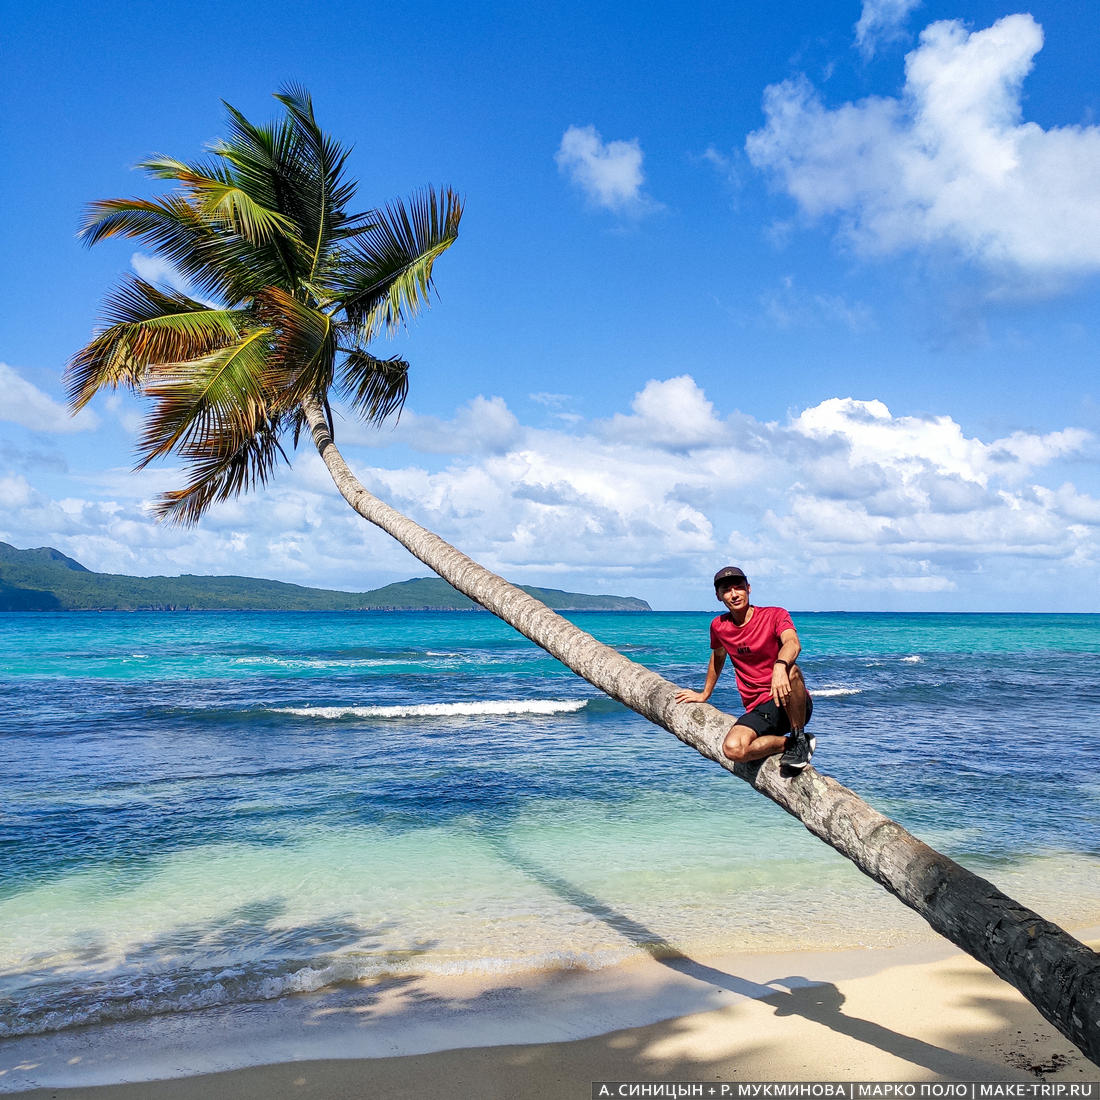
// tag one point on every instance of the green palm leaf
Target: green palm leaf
(387, 275)
(216, 195)
(305, 343)
(146, 326)
(322, 194)
(375, 388)
(220, 264)
(221, 470)
(261, 225)
(265, 164)
(200, 400)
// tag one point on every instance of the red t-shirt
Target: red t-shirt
(753, 649)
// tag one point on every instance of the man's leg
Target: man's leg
(796, 703)
(743, 745)
(800, 745)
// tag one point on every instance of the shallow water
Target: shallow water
(214, 808)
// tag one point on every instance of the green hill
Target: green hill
(44, 579)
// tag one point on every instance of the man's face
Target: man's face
(735, 595)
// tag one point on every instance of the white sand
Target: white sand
(908, 1014)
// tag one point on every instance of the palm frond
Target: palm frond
(323, 194)
(304, 344)
(160, 222)
(146, 326)
(219, 263)
(266, 165)
(215, 193)
(375, 388)
(201, 401)
(387, 273)
(223, 470)
(161, 167)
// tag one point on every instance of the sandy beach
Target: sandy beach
(912, 1014)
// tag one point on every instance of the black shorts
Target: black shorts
(770, 718)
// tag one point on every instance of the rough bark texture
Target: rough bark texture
(1055, 972)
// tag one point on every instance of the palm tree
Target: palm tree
(299, 289)
(302, 288)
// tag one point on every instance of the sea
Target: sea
(224, 808)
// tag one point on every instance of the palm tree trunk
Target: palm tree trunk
(1057, 973)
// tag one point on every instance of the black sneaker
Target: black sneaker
(800, 747)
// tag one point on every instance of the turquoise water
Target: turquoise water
(205, 809)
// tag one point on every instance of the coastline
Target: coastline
(925, 1012)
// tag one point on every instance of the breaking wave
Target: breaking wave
(497, 708)
(135, 997)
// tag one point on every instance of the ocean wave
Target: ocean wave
(496, 708)
(319, 662)
(912, 659)
(136, 997)
(832, 692)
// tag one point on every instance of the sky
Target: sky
(809, 288)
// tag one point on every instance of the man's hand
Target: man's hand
(781, 685)
(684, 696)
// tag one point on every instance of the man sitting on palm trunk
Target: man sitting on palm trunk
(763, 645)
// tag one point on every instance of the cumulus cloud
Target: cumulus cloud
(25, 404)
(950, 163)
(609, 173)
(844, 497)
(297, 530)
(922, 493)
(881, 21)
(914, 446)
(673, 414)
(882, 502)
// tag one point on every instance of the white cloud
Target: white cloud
(610, 174)
(899, 584)
(1071, 505)
(156, 269)
(674, 414)
(551, 400)
(914, 447)
(888, 503)
(15, 492)
(881, 21)
(949, 163)
(159, 271)
(843, 497)
(724, 165)
(25, 404)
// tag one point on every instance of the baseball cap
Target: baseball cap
(730, 573)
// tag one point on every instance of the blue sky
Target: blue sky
(809, 288)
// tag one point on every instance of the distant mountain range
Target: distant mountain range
(46, 580)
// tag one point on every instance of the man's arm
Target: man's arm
(714, 670)
(789, 649)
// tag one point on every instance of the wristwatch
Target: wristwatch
(780, 661)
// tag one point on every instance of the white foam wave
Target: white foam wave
(155, 995)
(913, 659)
(497, 708)
(319, 662)
(829, 693)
